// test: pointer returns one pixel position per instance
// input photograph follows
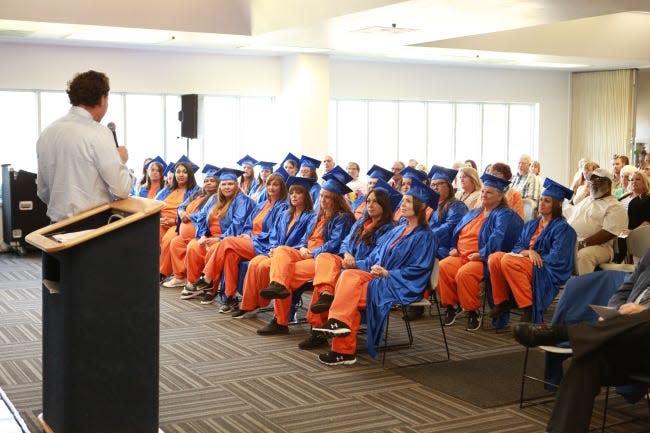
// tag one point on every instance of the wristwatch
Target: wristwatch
(582, 243)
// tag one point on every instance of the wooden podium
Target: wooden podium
(101, 319)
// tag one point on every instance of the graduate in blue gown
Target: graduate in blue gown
(450, 210)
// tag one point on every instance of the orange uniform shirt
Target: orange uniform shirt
(468, 237)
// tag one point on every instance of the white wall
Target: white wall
(50, 67)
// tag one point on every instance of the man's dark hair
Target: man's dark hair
(87, 88)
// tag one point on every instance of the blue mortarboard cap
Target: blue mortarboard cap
(247, 160)
(495, 182)
(306, 182)
(228, 173)
(307, 161)
(209, 167)
(187, 160)
(395, 196)
(265, 165)
(282, 173)
(377, 172)
(335, 186)
(158, 160)
(412, 173)
(210, 173)
(170, 167)
(291, 157)
(437, 172)
(423, 193)
(339, 174)
(556, 190)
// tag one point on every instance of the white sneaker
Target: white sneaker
(175, 282)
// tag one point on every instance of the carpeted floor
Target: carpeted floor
(218, 375)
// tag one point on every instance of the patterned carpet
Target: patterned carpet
(218, 375)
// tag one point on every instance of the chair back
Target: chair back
(638, 241)
(529, 209)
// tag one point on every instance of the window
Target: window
(144, 127)
(432, 132)
(19, 125)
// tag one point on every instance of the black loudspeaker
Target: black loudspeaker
(189, 116)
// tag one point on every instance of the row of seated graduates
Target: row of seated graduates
(221, 242)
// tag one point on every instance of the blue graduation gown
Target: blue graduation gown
(333, 234)
(443, 226)
(499, 232)
(314, 192)
(361, 250)
(163, 193)
(261, 241)
(232, 223)
(409, 264)
(556, 244)
(279, 234)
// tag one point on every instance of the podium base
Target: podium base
(46, 428)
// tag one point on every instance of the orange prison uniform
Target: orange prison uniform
(510, 273)
(230, 251)
(189, 259)
(458, 277)
(328, 268)
(291, 270)
(153, 191)
(358, 212)
(186, 231)
(257, 278)
(515, 201)
(170, 209)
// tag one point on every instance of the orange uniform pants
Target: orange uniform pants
(196, 257)
(257, 278)
(509, 273)
(291, 270)
(349, 300)
(232, 251)
(327, 270)
(458, 282)
(165, 255)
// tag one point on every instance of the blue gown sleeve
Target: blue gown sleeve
(336, 229)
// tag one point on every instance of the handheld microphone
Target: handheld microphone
(111, 126)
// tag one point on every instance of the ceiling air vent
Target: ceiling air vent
(381, 30)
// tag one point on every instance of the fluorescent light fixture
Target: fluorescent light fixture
(283, 49)
(134, 36)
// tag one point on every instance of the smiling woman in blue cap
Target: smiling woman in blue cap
(396, 271)
(293, 267)
(482, 231)
(258, 193)
(308, 166)
(541, 261)
(183, 185)
(247, 178)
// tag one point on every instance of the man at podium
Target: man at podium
(79, 166)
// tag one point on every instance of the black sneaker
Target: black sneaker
(474, 320)
(335, 358)
(230, 305)
(501, 309)
(208, 298)
(272, 328)
(315, 339)
(323, 303)
(334, 327)
(275, 290)
(201, 284)
(526, 315)
(452, 314)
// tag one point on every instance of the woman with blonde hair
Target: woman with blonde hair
(470, 187)
(581, 187)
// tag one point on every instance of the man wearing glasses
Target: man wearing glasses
(598, 219)
(396, 180)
